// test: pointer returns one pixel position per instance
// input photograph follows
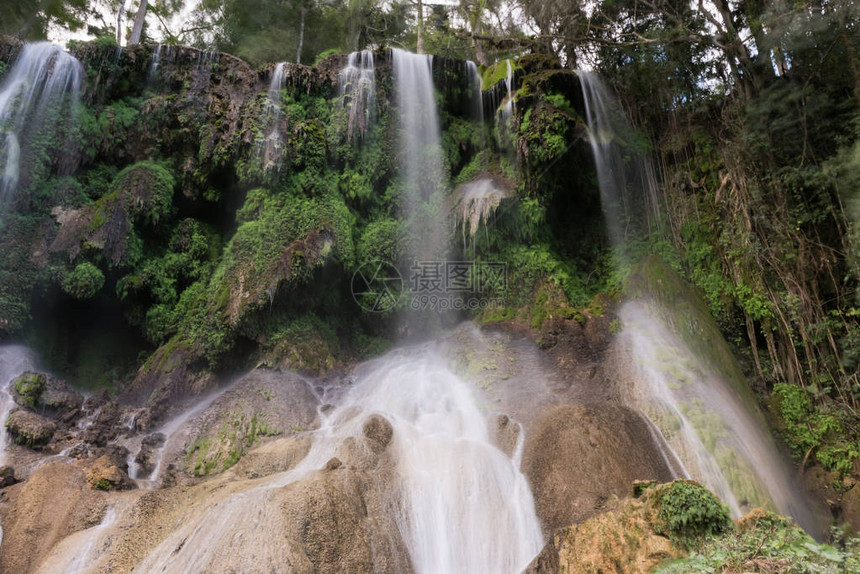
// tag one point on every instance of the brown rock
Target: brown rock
(7, 476)
(54, 502)
(378, 432)
(619, 541)
(105, 475)
(579, 457)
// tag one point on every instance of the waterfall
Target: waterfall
(357, 89)
(474, 86)
(463, 506)
(270, 149)
(509, 103)
(39, 91)
(628, 181)
(422, 173)
(715, 432)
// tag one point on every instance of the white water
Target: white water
(41, 77)
(14, 360)
(628, 181)
(82, 551)
(465, 506)
(420, 154)
(475, 87)
(357, 89)
(720, 440)
(271, 148)
(509, 103)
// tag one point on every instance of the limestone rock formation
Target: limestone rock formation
(581, 456)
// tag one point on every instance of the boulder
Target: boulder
(7, 476)
(27, 388)
(105, 475)
(578, 457)
(29, 429)
(47, 395)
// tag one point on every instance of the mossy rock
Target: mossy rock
(29, 429)
(259, 406)
(27, 389)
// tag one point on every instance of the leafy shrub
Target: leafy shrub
(84, 282)
(689, 511)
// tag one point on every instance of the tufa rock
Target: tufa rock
(29, 429)
(105, 475)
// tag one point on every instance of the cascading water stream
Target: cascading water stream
(39, 91)
(464, 506)
(270, 150)
(628, 182)
(422, 174)
(475, 86)
(357, 90)
(716, 434)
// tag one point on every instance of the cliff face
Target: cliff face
(214, 214)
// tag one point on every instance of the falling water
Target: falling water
(175, 433)
(628, 181)
(474, 85)
(716, 434)
(422, 173)
(464, 505)
(477, 201)
(509, 103)
(32, 93)
(270, 149)
(357, 89)
(721, 441)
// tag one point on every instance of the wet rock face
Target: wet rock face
(578, 457)
(29, 429)
(261, 405)
(378, 432)
(145, 457)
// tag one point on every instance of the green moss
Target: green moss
(29, 388)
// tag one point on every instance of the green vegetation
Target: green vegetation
(690, 512)
(84, 282)
(29, 388)
(764, 541)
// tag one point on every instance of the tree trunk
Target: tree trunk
(420, 45)
(137, 31)
(301, 36)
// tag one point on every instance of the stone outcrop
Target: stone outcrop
(580, 457)
(29, 429)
